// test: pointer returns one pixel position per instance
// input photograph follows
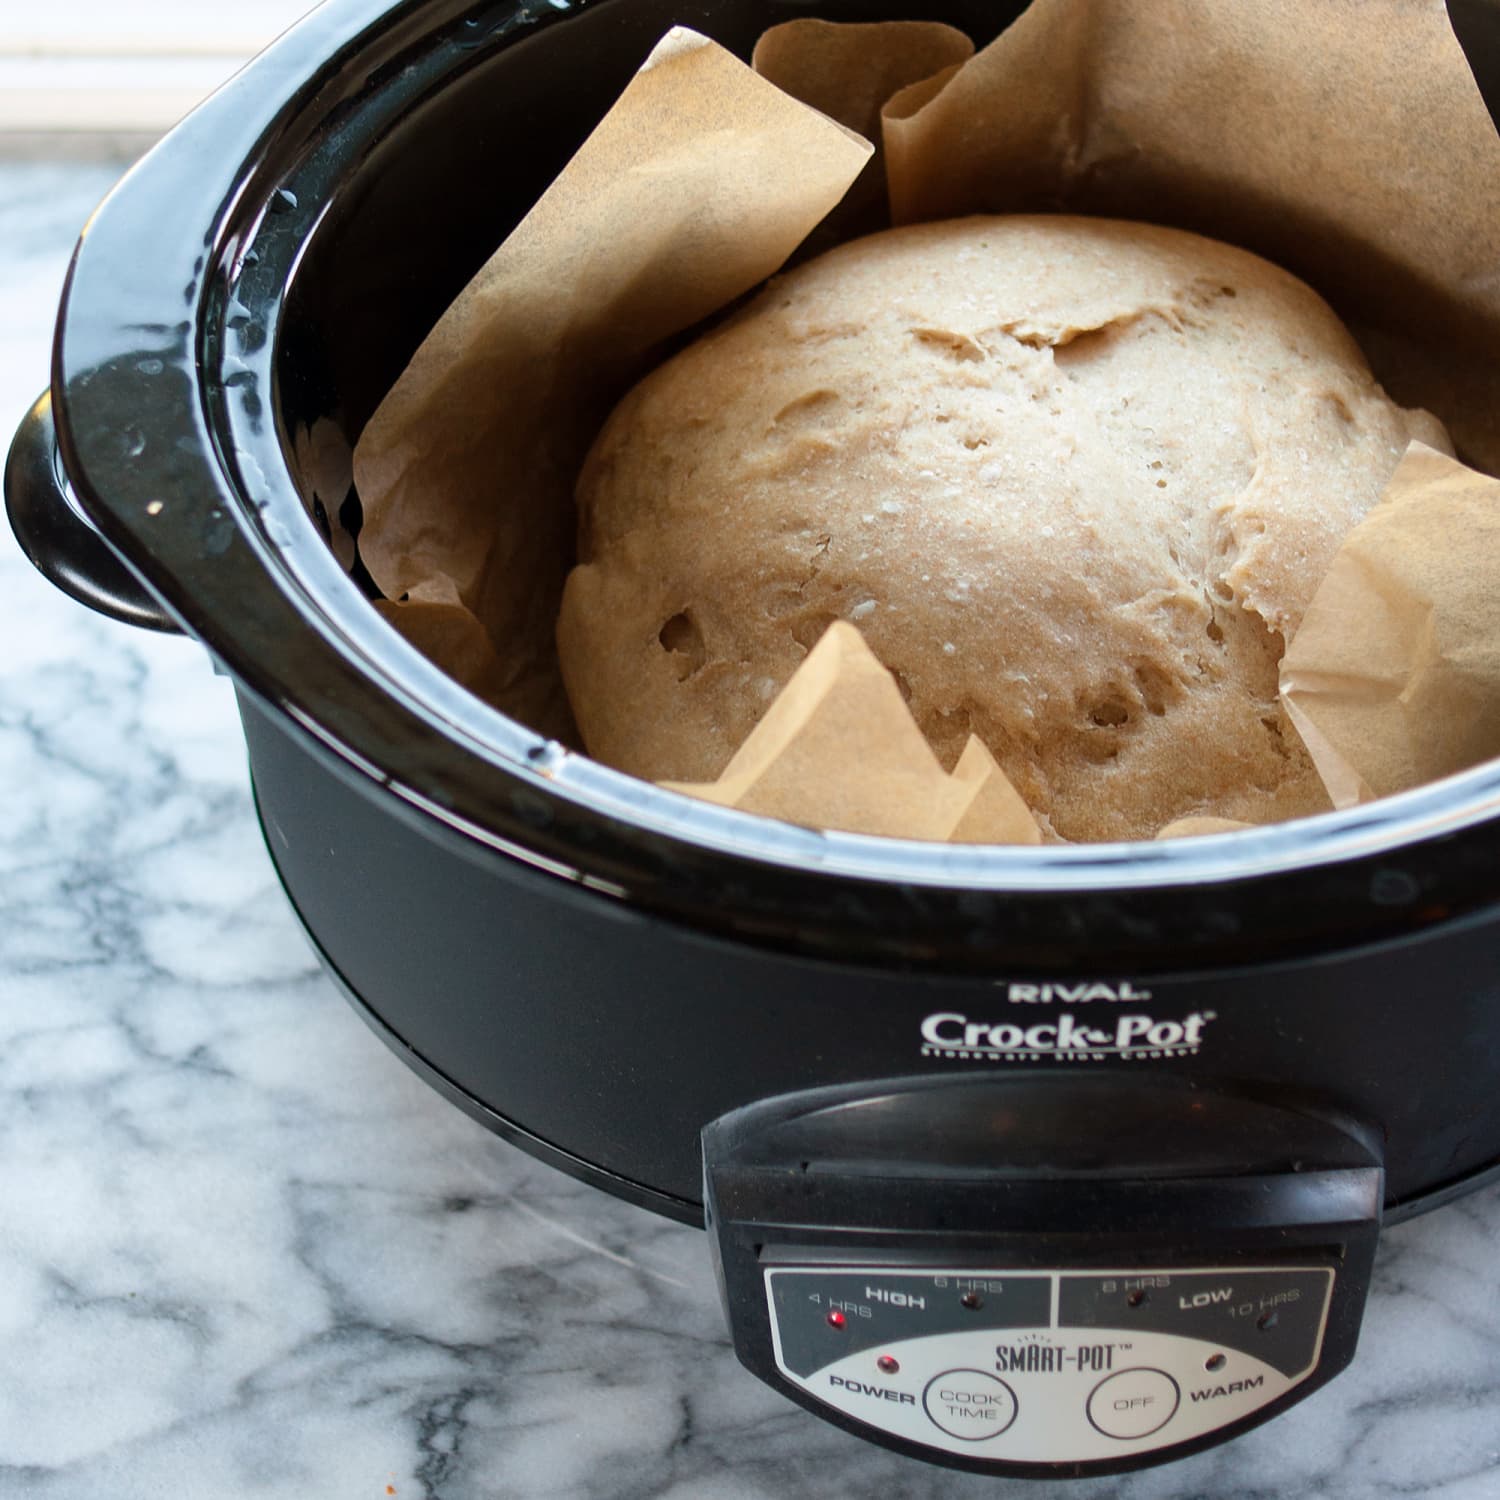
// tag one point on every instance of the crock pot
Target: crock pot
(1019, 1160)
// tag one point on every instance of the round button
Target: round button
(969, 1404)
(1134, 1403)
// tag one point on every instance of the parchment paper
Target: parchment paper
(1394, 678)
(849, 72)
(693, 189)
(1347, 142)
(839, 749)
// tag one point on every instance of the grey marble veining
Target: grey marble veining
(244, 1253)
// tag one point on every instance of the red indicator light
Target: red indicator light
(836, 1319)
(886, 1365)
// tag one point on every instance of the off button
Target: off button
(1134, 1403)
(969, 1404)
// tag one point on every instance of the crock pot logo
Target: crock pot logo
(952, 1034)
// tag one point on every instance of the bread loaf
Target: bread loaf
(1074, 479)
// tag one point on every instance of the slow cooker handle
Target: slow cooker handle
(60, 540)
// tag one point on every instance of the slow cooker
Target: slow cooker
(1033, 1161)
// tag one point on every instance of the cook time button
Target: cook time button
(1134, 1403)
(969, 1404)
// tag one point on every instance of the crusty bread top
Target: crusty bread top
(1075, 480)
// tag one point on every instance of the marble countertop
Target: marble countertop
(245, 1253)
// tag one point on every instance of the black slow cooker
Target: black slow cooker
(1020, 1160)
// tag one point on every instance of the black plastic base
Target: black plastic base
(685, 1210)
(611, 1037)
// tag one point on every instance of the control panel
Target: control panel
(1048, 1275)
(1046, 1367)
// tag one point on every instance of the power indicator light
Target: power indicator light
(836, 1319)
(887, 1366)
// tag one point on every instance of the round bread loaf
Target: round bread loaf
(1076, 481)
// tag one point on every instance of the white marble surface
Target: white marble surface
(244, 1253)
